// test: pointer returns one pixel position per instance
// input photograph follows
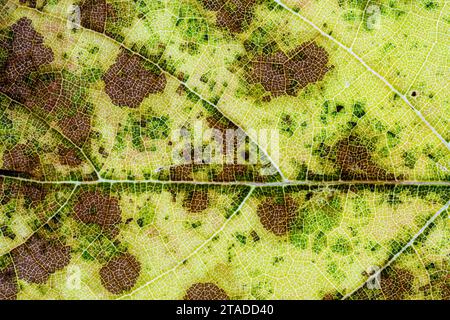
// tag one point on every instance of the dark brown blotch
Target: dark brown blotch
(182, 172)
(38, 258)
(76, 127)
(30, 3)
(94, 14)
(101, 209)
(286, 74)
(34, 193)
(232, 15)
(277, 215)
(221, 126)
(26, 53)
(196, 201)
(355, 162)
(231, 172)
(48, 97)
(23, 159)
(205, 291)
(120, 273)
(68, 156)
(396, 283)
(128, 82)
(8, 284)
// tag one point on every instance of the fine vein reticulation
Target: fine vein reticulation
(336, 185)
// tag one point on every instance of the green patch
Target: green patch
(260, 42)
(5, 122)
(359, 110)
(92, 75)
(94, 50)
(431, 5)
(342, 246)
(392, 138)
(337, 274)
(262, 290)
(321, 213)
(319, 242)
(410, 159)
(287, 125)
(192, 25)
(241, 238)
(155, 127)
(298, 239)
(146, 216)
(5, 261)
(349, 16)
(92, 244)
(191, 48)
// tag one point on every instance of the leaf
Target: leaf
(116, 180)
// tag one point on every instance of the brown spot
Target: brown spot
(396, 283)
(127, 82)
(231, 172)
(286, 74)
(329, 296)
(239, 172)
(255, 236)
(26, 53)
(76, 128)
(356, 163)
(445, 288)
(8, 284)
(34, 193)
(49, 97)
(38, 258)
(205, 291)
(103, 152)
(221, 126)
(196, 201)
(55, 98)
(99, 208)
(54, 95)
(68, 157)
(120, 273)
(23, 159)
(440, 282)
(276, 216)
(94, 14)
(232, 15)
(182, 172)
(31, 3)
(181, 89)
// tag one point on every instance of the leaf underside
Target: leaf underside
(353, 204)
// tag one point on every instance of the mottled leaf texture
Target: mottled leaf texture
(106, 192)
